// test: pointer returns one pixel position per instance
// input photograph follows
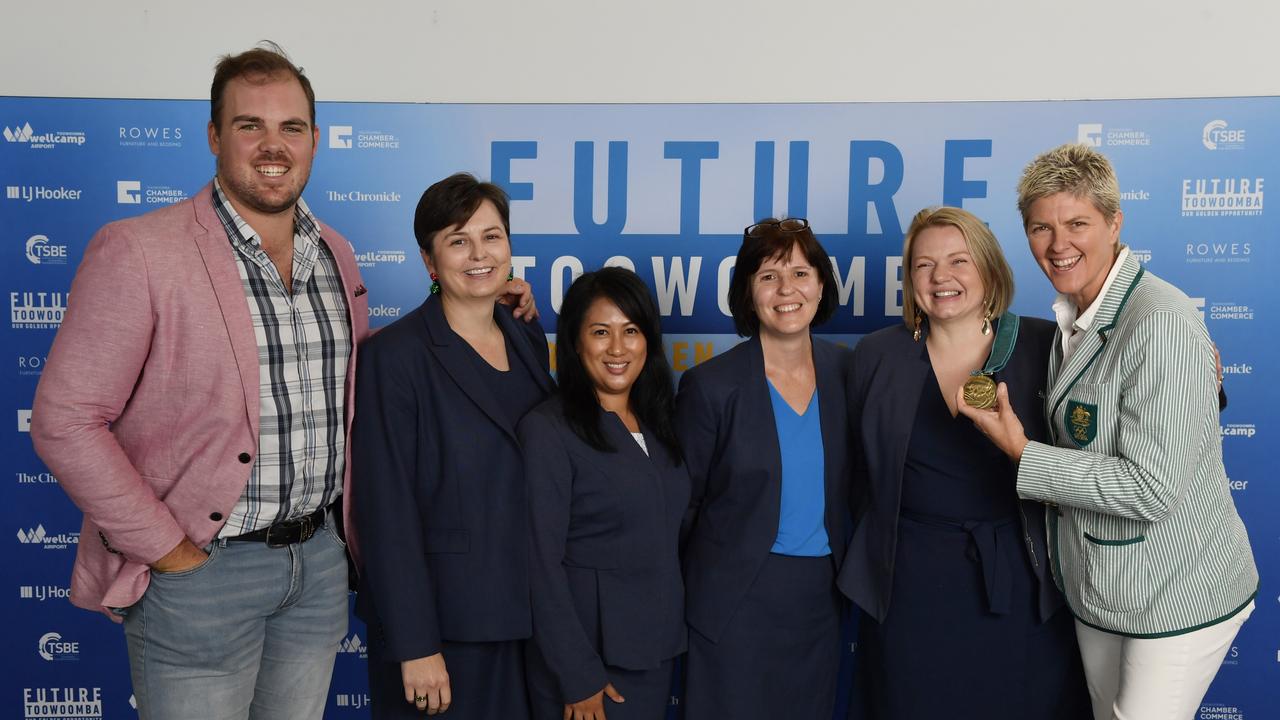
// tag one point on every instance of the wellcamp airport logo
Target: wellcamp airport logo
(1214, 197)
(52, 647)
(39, 536)
(24, 134)
(353, 645)
(1238, 430)
(62, 703)
(37, 310)
(42, 251)
(150, 136)
(35, 193)
(1095, 135)
(346, 137)
(1218, 135)
(371, 258)
(132, 192)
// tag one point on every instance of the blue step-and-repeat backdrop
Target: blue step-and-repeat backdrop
(665, 190)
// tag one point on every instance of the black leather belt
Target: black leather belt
(288, 532)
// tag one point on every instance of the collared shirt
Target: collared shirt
(304, 346)
(1074, 327)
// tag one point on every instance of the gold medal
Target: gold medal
(980, 392)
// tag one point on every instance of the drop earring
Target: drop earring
(915, 334)
(435, 284)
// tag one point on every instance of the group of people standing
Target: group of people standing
(1031, 518)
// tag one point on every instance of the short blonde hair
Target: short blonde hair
(1071, 168)
(988, 258)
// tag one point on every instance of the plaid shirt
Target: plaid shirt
(304, 345)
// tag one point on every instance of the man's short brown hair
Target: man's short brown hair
(264, 63)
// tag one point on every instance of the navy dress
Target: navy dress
(963, 636)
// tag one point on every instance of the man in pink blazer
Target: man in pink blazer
(196, 405)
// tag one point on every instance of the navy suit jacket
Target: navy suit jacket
(889, 371)
(724, 417)
(605, 565)
(439, 489)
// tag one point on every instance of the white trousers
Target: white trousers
(1158, 679)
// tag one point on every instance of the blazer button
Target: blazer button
(215, 516)
(245, 458)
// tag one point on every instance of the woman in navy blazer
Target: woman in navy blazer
(960, 617)
(439, 488)
(763, 428)
(607, 492)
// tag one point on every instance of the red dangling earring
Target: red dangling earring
(435, 284)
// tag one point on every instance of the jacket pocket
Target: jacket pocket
(446, 540)
(1116, 578)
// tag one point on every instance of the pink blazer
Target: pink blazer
(147, 411)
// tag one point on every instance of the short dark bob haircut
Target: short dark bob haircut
(653, 394)
(265, 63)
(771, 242)
(453, 201)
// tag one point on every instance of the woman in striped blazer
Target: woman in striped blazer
(1145, 539)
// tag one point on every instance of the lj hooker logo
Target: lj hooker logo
(62, 703)
(1214, 197)
(37, 310)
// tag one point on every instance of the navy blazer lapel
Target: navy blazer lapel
(831, 410)
(456, 358)
(518, 340)
(757, 409)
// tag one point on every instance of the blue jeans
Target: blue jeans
(250, 633)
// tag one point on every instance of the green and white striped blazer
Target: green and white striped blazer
(1143, 533)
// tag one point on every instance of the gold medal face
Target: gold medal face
(980, 392)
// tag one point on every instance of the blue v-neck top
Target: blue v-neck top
(802, 528)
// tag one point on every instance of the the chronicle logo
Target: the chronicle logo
(38, 536)
(40, 478)
(27, 135)
(32, 193)
(131, 192)
(1217, 135)
(37, 310)
(362, 197)
(1095, 135)
(41, 251)
(62, 703)
(370, 258)
(346, 137)
(43, 592)
(53, 648)
(150, 136)
(1213, 197)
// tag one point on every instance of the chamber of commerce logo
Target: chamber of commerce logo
(346, 137)
(352, 701)
(43, 592)
(380, 257)
(1095, 135)
(32, 193)
(41, 251)
(24, 420)
(27, 135)
(1229, 311)
(37, 310)
(155, 136)
(1215, 711)
(1213, 197)
(132, 192)
(354, 645)
(52, 647)
(40, 478)
(1218, 136)
(38, 536)
(1241, 430)
(363, 197)
(62, 703)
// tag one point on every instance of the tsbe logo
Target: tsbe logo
(62, 703)
(24, 420)
(1214, 197)
(132, 192)
(26, 135)
(37, 310)
(53, 648)
(346, 137)
(351, 701)
(42, 251)
(1217, 135)
(353, 645)
(38, 536)
(362, 197)
(33, 193)
(43, 592)
(150, 136)
(1216, 711)
(380, 257)
(40, 478)
(1095, 135)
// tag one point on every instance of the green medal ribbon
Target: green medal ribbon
(980, 389)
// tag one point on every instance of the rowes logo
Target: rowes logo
(31, 364)
(1218, 136)
(345, 137)
(351, 701)
(43, 592)
(53, 648)
(355, 646)
(40, 251)
(1094, 135)
(32, 193)
(37, 310)
(80, 703)
(150, 136)
(1213, 197)
(38, 536)
(380, 257)
(131, 192)
(1215, 711)
(25, 134)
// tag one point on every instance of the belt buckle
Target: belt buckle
(281, 542)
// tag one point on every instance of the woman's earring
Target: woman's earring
(435, 284)
(986, 323)
(915, 335)
(511, 274)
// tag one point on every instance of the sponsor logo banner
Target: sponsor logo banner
(62, 703)
(41, 193)
(1214, 197)
(1095, 135)
(35, 139)
(360, 196)
(133, 192)
(39, 536)
(36, 310)
(1218, 135)
(52, 647)
(40, 478)
(43, 592)
(371, 258)
(42, 251)
(346, 137)
(150, 136)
